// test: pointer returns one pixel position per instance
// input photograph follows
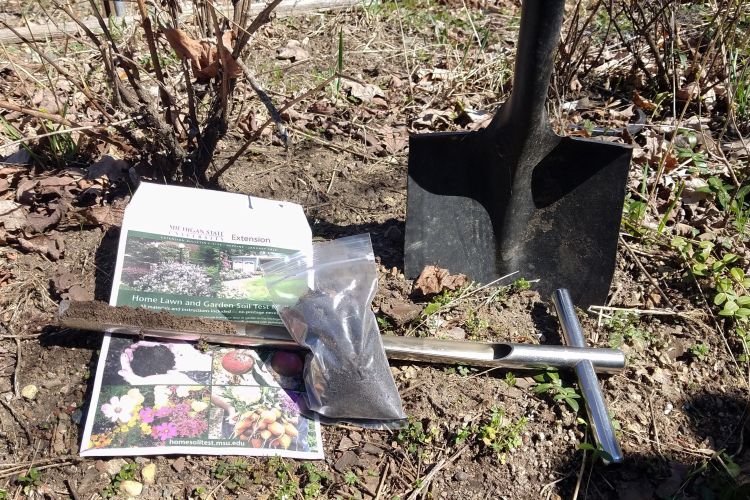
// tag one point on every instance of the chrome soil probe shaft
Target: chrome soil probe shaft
(500, 355)
(596, 408)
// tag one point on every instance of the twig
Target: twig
(19, 337)
(222, 51)
(262, 18)
(73, 490)
(18, 419)
(68, 130)
(17, 369)
(651, 279)
(333, 146)
(59, 120)
(212, 493)
(256, 134)
(656, 428)
(579, 479)
(148, 31)
(85, 91)
(383, 478)
(433, 472)
(275, 114)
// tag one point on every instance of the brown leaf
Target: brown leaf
(56, 181)
(11, 169)
(399, 311)
(643, 103)
(322, 108)
(38, 223)
(363, 93)
(203, 56)
(44, 245)
(395, 140)
(63, 280)
(107, 215)
(670, 163)
(12, 216)
(25, 191)
(292, 52)
(434, 280)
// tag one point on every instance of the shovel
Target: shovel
(515, 196)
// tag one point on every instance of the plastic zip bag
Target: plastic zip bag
(324, 301)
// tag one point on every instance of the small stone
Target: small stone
(668, 408)
(455, 333)
(29, 392)
(346, 444)
(179, 464)
(131, 488)
(346, 462)
(148, 473)
(114, 466)
(461, 476)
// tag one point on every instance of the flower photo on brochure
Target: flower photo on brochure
(149, 416)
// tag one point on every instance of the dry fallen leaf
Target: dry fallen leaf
(434, 280)
(12, 216)
(643, 103)
(44, 245)
(292, 52)
(107, 215)
(363, 93)
(203, 56)
(38, 223)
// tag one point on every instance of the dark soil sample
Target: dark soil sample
(152, 360)
(347, 373)
(95, 315)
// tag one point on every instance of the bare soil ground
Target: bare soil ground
(680, 405)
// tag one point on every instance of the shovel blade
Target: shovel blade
(449, 221)
(559, 225)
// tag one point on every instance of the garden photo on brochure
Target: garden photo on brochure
(170, 397)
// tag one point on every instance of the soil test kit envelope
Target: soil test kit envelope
(200, 253)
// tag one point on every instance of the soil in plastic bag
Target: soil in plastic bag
(347, 375)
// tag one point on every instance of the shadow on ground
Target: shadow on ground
(678, 472)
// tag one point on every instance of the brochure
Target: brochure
(200, 253)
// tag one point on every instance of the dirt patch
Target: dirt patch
(94, 315)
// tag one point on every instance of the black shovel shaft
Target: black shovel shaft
(539, 34)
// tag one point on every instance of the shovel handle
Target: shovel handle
(596, 408)
(539, 34)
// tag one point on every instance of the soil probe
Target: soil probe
(596, 408)
(98, 316)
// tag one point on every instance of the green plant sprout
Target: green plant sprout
(550, 383)
(314, 478)
(30, 481)
(699, 351)
(497, 434)
(126, 473)
(623, 327)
